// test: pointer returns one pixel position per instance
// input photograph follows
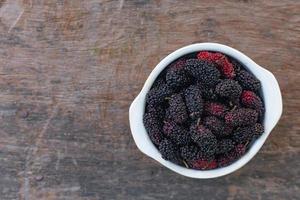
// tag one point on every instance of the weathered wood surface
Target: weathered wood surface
(69, 70)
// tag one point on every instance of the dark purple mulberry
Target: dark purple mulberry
(230, 157)
(194, 101)
(156, 110)
(205, 140)
(153, 127)
(216, 109)
(160, 80)
(158, 95)
(168, 151)
(197, 130)
(248, 81)
(208, 93)
(178, 134)
(176, 76)
(241, 117)
(245, 134)
(224, 160)
(239, 150)
(177, 109)
(203, 71)
(224, 146)
(215, 125)
(229, 89)
(250, 100)
(189, 153)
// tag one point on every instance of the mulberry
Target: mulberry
(208, 93)
(205, 140)
(168, 150)
(229, 89)
(177, 108)
(250, 100)
(194, 101)
(156, 110)
(215, 109)
(245, 134)
(223, 63)
(204, 164)
(204, 72)
(153, 127)
(205, 112)
(226, 159)
(197, 130)
(179, 135)
(157, 95)
(215, 125)
(241, 117)
(236, 65)
(248, 81)
(176, 76)
(239, 150)
(189, 153)
(160, 80)
(224, 146)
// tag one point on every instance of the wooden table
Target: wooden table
(70, 69)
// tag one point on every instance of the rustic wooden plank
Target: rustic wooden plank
(70, 69)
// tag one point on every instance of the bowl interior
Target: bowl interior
(271, 96)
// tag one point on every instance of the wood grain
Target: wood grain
(70, 69)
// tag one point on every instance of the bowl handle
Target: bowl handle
(137, 127)
(273, 98)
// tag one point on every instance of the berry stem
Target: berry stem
(186, 165)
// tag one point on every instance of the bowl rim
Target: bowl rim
(271, 95)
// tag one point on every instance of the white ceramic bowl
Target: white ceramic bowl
(272, 99)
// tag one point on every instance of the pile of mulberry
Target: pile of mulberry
(204, 111)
